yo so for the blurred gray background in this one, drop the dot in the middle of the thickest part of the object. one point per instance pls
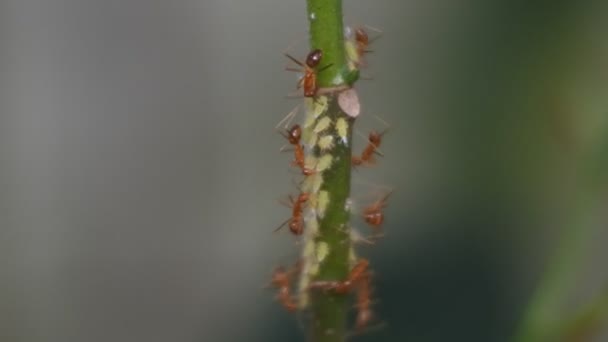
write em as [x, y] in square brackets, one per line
[140, 169]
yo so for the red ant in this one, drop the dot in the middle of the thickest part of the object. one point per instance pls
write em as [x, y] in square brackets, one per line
[309, 81]
[364, 313]
[374, 140]
[373, 214]
[367, 156]
[356, 274]
[280, 280]
[296, 221]
[293, 135]
[359, 276]
[362, 41]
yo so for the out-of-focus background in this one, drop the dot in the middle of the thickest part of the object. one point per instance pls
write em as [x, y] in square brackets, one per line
[140, 169]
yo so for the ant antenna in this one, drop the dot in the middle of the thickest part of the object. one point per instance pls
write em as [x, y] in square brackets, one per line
[288, 118]
[386, 124]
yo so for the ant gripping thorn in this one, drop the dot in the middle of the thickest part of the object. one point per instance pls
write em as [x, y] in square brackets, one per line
[373, 214]
[281, 281]
[296, 221]
[309, 81]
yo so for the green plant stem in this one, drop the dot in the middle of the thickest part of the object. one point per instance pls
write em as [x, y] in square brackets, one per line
[327, 34]
[329, 311]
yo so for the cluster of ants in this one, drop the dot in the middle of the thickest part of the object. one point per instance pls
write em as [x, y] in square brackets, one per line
[359, 277]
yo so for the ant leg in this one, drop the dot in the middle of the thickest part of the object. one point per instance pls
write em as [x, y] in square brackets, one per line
[385, 198]
[386, 124]
[375, 29]
[356, 238]
[325, 67]
[286, 148]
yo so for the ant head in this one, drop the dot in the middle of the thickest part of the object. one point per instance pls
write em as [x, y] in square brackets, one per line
[374, 218]
[314, 58]
[294, 134]
[296, 227]
[361, 36]
[375, 138]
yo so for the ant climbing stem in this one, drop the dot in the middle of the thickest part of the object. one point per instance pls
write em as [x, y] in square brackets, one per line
[359, 41]
[309, 80]
[356, 274]
[296, 221]
[373, 214]
[362, 38]
[359, 280]
[299, 157]
[364, 312]
[281, 281]
[293, 136]
[374, 140]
